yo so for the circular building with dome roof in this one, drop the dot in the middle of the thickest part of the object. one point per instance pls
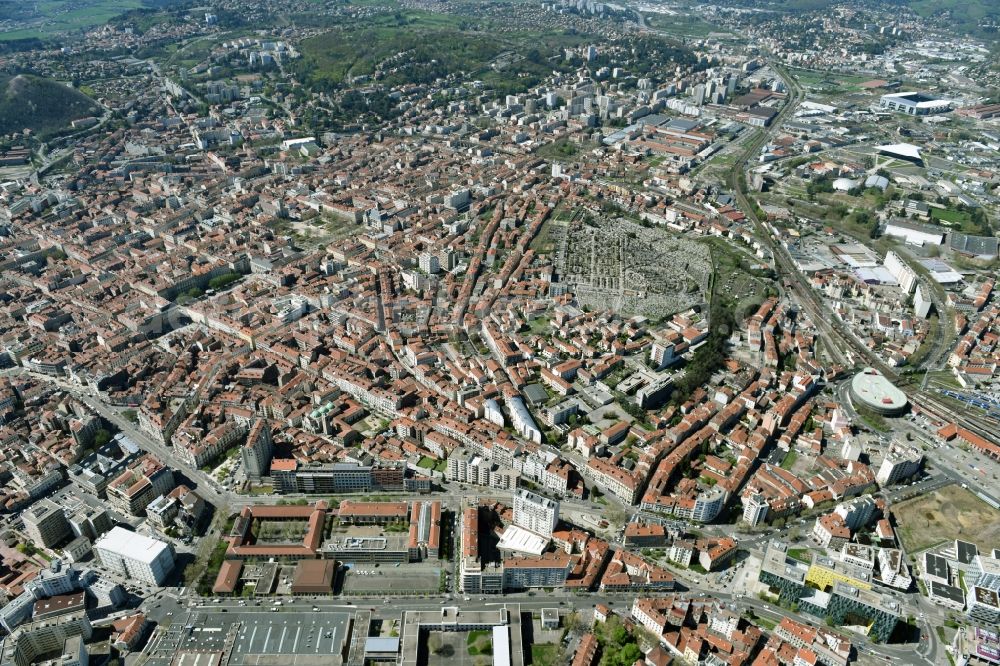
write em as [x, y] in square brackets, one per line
[870, 389]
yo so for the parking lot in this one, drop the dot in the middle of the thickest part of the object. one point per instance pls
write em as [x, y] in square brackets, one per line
[292, 637]
[413, 579]
[271, 636]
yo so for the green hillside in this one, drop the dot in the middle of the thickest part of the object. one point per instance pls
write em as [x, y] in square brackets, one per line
[968, 16]
[42, 105]
[965, 15]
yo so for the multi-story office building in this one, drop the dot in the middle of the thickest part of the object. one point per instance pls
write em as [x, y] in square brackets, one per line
[326, 478]
[787, 578]
[983, 596]
[535, 513]
[45, 523]
[136, 556]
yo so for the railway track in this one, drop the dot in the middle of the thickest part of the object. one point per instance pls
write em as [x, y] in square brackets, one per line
[843, 348]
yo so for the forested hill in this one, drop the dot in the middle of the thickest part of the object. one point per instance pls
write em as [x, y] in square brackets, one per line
[42, 105]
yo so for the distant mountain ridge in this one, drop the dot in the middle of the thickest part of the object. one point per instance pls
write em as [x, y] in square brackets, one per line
[41, 105]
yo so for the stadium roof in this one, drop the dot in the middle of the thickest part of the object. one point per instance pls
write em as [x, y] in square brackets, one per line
[917, 99]
[907, 150]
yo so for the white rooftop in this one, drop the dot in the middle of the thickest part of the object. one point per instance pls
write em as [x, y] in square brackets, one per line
[129, 544]
[522, 540]
[872, 387]
[904, 149]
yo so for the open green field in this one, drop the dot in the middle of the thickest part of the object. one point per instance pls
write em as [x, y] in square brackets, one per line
[800, 554]
[945, 515]
[539, 326]
[552, 231]
[430, 463]
[479, 642]
[546, 654]
[789, 460]
[735, 276]
[963, 15]
[560, 150]
[45, 106]
[681, 25]
[950, 216]
[45, 18]
[828, 82]
[419, 47]
[279, 532]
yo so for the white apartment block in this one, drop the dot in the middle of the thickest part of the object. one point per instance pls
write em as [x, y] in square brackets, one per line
[535, 513]
[135, 556]
[900, 463]
[905, 276]
[755, 509]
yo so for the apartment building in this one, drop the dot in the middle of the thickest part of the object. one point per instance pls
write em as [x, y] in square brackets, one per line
[900, 462]
[45, 523]
[135, 556]
[548, 570]
[30, 641]
[475, 576]
[615, 479]
[256, 453]
[535, 513]
[467, 467]
[136, 487]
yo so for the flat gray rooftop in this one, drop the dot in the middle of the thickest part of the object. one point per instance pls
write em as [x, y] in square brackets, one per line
[255, 637]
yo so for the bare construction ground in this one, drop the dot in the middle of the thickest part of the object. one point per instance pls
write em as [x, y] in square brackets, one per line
[945, 515]
[616, 264]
